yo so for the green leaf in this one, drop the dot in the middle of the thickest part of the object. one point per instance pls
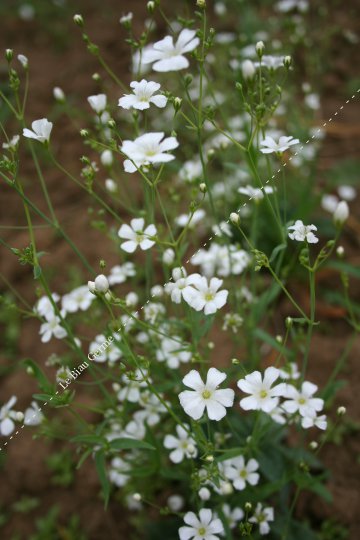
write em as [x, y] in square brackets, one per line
[37, 271]
[276, 251]
[89, 438]
[100, 464]
[129, 444]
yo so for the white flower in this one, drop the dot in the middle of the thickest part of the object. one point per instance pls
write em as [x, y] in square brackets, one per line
[175, 502]
[301, 400]
[44, 307]
[7, 417]
[41, 130]
[255, 194]
[329, 203]
[106, 158]
[261, 517]
[172, 351]
[221, 260]
[303, 232]
[143, 96]
[118, 472]
[153, 407]
[119, 274]
[290, 371]
[206, 295]
[271, 62]
[190, 220]
[169, 57]
[204, 527]
[132, 389]
[248, 69]
[100, 285]
[136, 236]
[341, 213]
[241, 473]
[125, 19]
[146, 149]
[263, 396]
[181, 282]
[168, 256]
[80, 298]
[206, 395]
[104, 349]
[12, 144]
[24, 61]
[52, 327]
[98, 102]
[233, 515]
[269, 145]
[314, 421]
[182, 446]
[152, 310]
[348, 193]
[58, 94]
[33, 415]
[287, 5]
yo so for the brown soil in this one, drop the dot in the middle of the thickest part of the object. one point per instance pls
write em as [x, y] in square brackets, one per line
[68, 65]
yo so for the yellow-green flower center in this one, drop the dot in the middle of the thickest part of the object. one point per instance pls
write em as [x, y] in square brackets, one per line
[202, 531]
[302, 401]
[209, 296]
[206, 394]
[263, 394]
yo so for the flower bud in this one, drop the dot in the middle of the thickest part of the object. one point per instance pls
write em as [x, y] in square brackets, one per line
[226, 488]
[248, 69]
[313, 445]
[23, 60]
[150, 6]
[248, 506]
[279, 339]
[106, 158]
[288, 322]
[131, 299]
[191, 449]
[235, 218]
[95, 77]
[177, 104]
[287, 61]
[202, 187]
[136, 497]
[30, 370]
[58, 94]
[9, 53]
[201, 4]
[209, 458]
[91, 286]
[101, 283]
[168, 256]
[78, 19]
[84, 132]
[19, 416]
[204, 494]
[341, 213]
[125, 20]
[259, 48]
[111, 123]
[340, 251]
[341, 411]
[235, 362]
[211, 345]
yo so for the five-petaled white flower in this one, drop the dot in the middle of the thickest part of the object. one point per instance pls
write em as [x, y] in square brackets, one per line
[98, 103]
[204, 527]
[181, 282]
[135, 235]
[240, 472]
[52, 327]
[143, 96]
[206, 395]
[261, 517]
[302, 400]
[170, 57]
[268, 145]
[255, 194]
[7, 417]
[302, 232]
[182, 446]
[41, 130]
[263, 396]
[206, 295]
[147, 149]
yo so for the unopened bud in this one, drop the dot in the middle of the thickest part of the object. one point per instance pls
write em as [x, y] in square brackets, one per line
[84, 132]
[150, 7]
[9, 53]
[288, 322]
[235, 362]
[177, 104]
[248, 69]
[111, 123]
[78, 19]
[313, 445]
[204, 494]
[211, 345]
[136, 497]
[29, 370]
[95, 77]
[201, 4]
[340, 251]
[287, 61]
[235, 218]
[341, 411]
[259, 48]
[58, 94]
[209, 458]
[279, 339]
[202, 187]
[341, 213]
[248, 506]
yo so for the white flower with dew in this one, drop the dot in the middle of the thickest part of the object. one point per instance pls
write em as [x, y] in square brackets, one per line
[206, 395]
